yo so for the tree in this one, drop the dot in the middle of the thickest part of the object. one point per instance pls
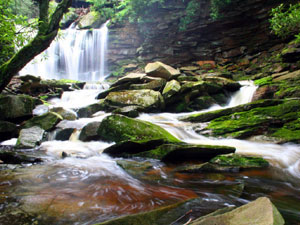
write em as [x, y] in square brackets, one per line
[47, 31]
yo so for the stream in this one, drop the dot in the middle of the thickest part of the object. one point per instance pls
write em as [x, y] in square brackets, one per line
[89, 187]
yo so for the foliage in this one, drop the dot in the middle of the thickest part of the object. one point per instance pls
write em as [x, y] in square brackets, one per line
[27, 8]
[191, 12]
[218, 5]
[285, 20]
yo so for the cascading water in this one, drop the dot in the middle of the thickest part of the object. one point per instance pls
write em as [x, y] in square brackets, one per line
[88, 187]
[77, 55]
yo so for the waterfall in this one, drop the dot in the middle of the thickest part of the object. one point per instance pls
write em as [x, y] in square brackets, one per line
[76, 55]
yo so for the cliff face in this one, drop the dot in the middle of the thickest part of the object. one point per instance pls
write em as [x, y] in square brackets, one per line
[243, 30]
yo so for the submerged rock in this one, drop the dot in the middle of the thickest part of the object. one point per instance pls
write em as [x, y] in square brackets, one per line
[259, 212]
[159, 69]
[119, 128]
[30, 137]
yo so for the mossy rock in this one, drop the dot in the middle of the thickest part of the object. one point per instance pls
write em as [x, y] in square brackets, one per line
[66, 114]
[208, 116]
[88, 111]
[243, 162]
[274, 121]
[119, 128]
[155, 85]
[30, 137]
[182, 152]
[16, 107]
[8, 130]
[46, 121]
[89, 132]
[171, 88]
[148, 99]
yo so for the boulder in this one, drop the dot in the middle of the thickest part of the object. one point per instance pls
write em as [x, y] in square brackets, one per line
[88, 111]
[46, 121]
[171, 88]
[60, 134]
[159, 69]
[130, 111]
[225, 83]
[157, 85]
[148, 99]
[66, 114]
[16, 107]
[7, 130]
[14, 157]
[259, 212]
[182, 152]
[120, 128]
[131, 78]
[89, 132]
[91, 20]
[30, 137]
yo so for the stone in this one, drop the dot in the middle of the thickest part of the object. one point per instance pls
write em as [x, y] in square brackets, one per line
[189, 68]
[16, 107]
[15, 157]
[66, 114]
[120, 128]
[159, 69]
[63, 134]
[259, 212]
[7, 130]
[172, 87]
[30, 137]
[130, 111]
[155, 85]
[129, 78]
[89, 132]
[90, 20]
[88, 111]
[148, 99]
[183, 152]
[227, 84]
[292, 75]
[46, 121]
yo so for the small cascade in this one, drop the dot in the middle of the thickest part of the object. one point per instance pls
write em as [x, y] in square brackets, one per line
[77, 55]
[244, 95]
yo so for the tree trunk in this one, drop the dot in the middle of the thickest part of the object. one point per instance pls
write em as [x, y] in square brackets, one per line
[46, 34]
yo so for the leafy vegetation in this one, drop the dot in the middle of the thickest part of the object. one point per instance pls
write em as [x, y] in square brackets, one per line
[285, 20]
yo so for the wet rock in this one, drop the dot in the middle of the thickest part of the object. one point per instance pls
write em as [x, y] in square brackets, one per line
[130, 111]
[62, 134]
[16, 107]
[208, 116]
[259, 212]
[66, 114]
[226, 163]
[148, 99]
[8, 130]
[89, 132]
[146, 218]
[159, 69]
[171, 88]
[292, 75]
[290, 55]
[88, 111]
[182, 152]
[279, 121]
[202, 102]
[46, 121]
[131, 78]
[30, 137]
[14, 157]
[119, 128]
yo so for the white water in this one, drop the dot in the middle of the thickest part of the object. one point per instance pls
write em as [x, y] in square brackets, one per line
[77, 55]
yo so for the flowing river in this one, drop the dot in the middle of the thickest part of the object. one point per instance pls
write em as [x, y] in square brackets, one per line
[89, 187]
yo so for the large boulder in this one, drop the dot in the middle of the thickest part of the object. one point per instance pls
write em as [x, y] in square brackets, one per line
[30, 137]
[131, 78]
[159, 69]
[16, 107]
[89, 132]
[259, 212]
[120, 128]
[66, 114]
[148, 99]
[46, 121]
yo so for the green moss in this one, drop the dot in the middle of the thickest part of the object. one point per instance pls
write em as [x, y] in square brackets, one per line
[121, 128]
[46, 121]
[263, 81]
[240, 161]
